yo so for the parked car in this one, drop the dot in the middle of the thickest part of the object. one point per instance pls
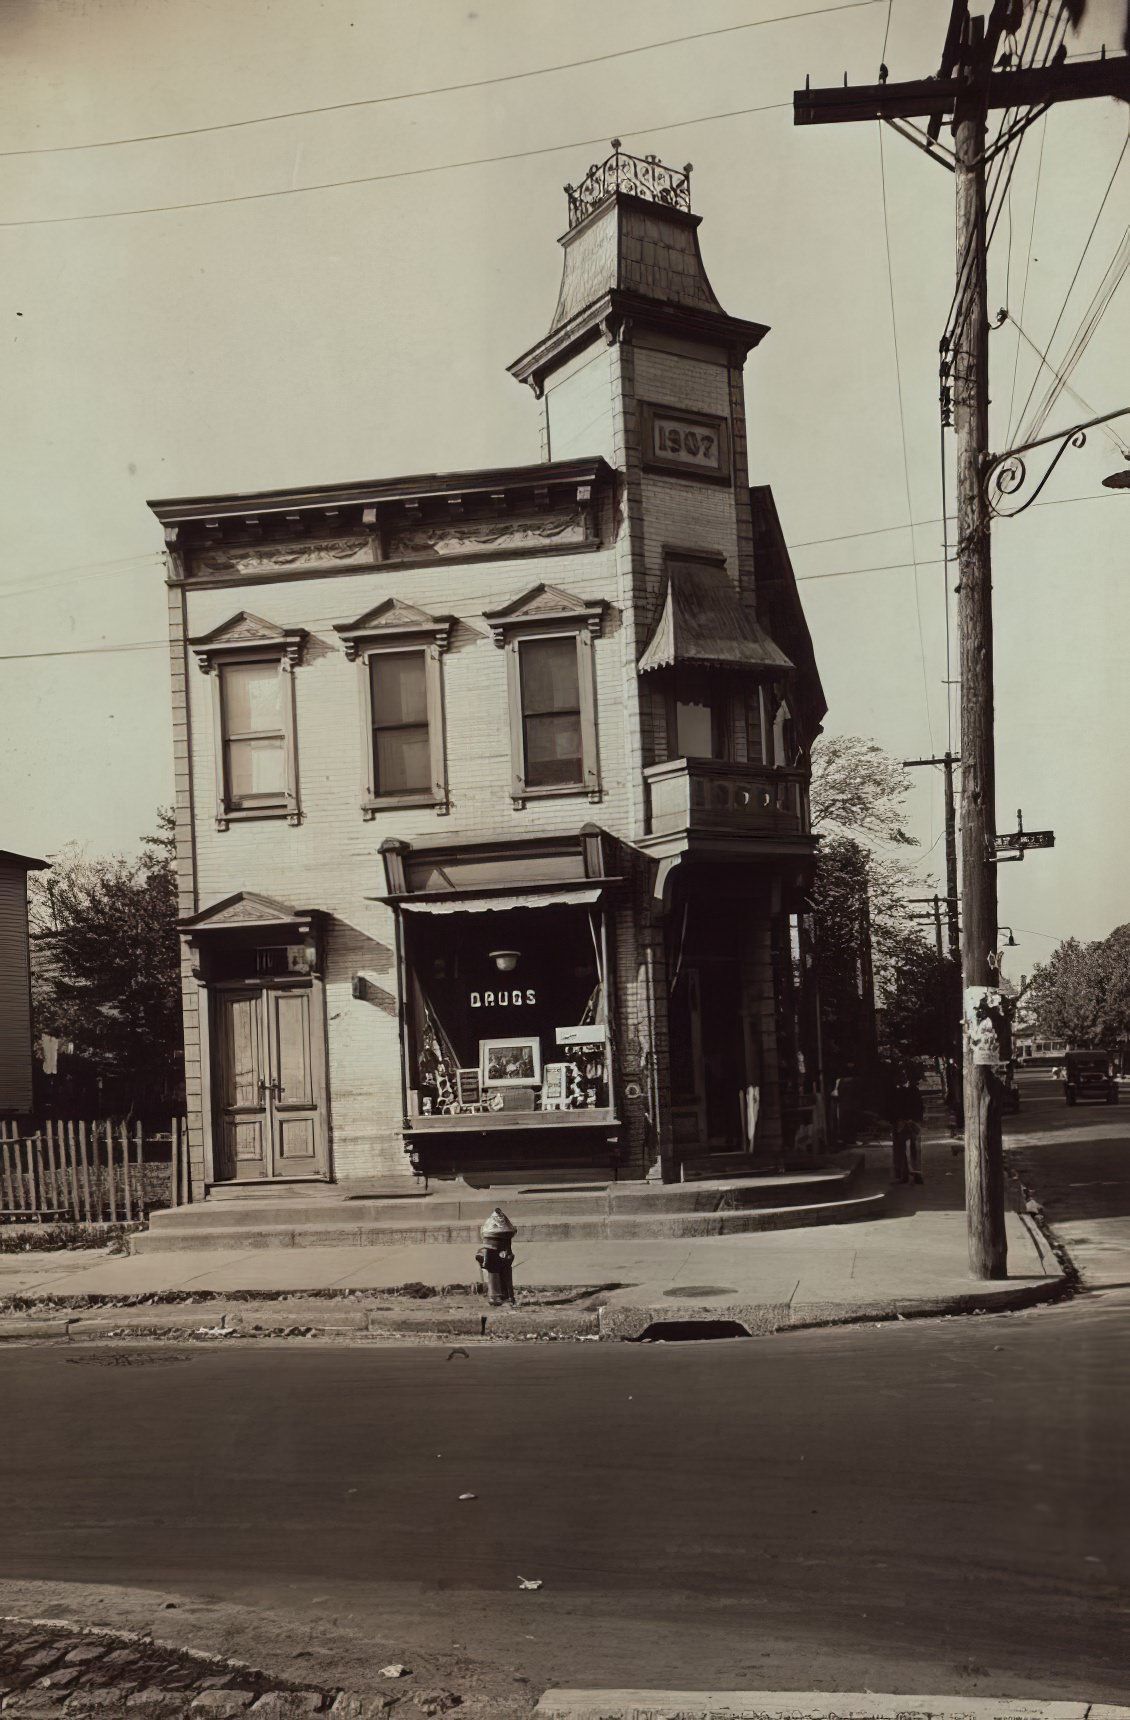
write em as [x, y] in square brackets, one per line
[1089, 1075]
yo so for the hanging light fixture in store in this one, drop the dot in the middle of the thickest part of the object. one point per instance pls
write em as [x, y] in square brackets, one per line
[505, 960]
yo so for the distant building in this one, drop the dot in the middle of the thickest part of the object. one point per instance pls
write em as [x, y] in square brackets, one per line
[15, 984]
[492, 786]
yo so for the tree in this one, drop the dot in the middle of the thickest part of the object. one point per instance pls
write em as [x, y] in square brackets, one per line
[106, 969]
[864, 933]
[1081, 995]
[858, 788]
[921, 1002]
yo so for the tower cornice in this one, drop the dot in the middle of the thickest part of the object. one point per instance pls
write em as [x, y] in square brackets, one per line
[618, 314]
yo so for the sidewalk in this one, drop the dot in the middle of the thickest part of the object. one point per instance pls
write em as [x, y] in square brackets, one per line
[910, 1263]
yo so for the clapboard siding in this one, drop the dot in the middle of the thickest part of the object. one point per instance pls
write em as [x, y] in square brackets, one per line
[15, 1006]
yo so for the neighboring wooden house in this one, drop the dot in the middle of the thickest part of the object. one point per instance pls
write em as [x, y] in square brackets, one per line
[15, 983]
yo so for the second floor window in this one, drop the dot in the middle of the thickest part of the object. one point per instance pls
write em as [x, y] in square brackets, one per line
[551, 712]
[254, 736]
[698, 715]
[398, 650]
[402, 753]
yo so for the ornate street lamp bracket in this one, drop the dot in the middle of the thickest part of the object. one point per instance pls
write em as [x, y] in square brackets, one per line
[1006, 475]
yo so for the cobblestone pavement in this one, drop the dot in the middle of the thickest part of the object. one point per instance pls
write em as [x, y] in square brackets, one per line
[50, 1671]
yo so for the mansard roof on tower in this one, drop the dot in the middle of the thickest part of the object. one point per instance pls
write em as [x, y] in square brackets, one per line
[632, 255]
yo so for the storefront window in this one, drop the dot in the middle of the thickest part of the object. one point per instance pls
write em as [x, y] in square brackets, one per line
[507, 1012]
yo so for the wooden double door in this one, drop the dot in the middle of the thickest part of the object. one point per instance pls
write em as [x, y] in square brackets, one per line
[268, 1051]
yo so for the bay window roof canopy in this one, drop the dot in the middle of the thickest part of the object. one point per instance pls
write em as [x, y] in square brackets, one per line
[705, 625]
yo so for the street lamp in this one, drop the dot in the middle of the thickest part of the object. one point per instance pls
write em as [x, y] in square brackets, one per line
[1011, 943]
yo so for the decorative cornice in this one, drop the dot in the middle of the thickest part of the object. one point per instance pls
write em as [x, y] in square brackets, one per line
[544, 606]
[397, 621]
[283, 511]
[245, 634]
[617, 316]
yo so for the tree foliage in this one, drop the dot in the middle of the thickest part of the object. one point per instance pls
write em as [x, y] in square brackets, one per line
[1081, 995]
[868, 947]
[106, 968]
[921, 1002]
[858, 789]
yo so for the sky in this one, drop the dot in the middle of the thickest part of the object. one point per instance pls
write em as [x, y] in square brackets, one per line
[363, 330]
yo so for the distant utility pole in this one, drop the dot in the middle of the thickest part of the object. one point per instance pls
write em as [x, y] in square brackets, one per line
[934, 902]
[947, 761]
[968, 86]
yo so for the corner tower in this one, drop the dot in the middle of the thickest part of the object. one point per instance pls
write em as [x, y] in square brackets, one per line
[642, 365]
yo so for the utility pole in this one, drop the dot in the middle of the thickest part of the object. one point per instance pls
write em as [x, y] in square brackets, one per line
[968, 86]
[947, 761]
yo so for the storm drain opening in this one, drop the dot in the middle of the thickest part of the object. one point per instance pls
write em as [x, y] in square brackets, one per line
[691, 1331]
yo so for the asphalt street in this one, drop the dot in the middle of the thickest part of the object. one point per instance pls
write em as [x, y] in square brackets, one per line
[924, 1506]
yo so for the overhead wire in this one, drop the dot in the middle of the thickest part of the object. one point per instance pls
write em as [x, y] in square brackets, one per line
[379, 178]
[1065, 386]
[1075, 276]
[1027, 267]
[446, 89]
[902, 430]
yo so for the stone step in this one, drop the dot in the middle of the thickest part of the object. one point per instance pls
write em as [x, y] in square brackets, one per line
[596, 1227]
[345, 1212]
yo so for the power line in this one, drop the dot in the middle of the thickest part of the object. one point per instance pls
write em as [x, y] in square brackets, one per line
[886, 32]
[85, 566]
[120, 564]
[447, 89]
[882, 567]
[902, 430]
[1107, 429]
[78, 576]
[85, 650]
[1078, 267]
[378, 178]
[1027, 266]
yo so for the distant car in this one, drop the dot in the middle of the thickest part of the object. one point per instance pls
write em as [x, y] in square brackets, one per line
[1089, 1075]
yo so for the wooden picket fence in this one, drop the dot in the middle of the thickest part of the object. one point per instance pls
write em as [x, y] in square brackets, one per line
[100, 1172]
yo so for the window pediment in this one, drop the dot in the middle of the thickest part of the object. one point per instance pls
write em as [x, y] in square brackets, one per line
[394, 622]
[245, 908]
[246, 633]
[544, 606]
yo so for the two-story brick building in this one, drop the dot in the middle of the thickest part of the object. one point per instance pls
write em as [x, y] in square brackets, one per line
[492, 785]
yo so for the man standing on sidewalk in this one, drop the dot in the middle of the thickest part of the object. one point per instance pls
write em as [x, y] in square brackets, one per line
[905, 1115]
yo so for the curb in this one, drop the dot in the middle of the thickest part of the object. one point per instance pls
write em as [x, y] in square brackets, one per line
[803, 1705]
[607, 1322]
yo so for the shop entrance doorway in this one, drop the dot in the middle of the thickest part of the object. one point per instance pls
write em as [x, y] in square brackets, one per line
[708, 1057]
[270, 1115]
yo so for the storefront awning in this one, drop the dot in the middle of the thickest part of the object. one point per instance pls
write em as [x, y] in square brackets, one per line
[705, 625]
[502, 904]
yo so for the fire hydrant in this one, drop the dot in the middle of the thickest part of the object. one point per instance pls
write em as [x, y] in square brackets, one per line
[496, 1257]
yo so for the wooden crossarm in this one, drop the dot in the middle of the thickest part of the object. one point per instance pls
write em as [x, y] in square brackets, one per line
[923, 97]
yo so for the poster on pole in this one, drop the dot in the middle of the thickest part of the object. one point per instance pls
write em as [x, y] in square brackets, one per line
[986, 1024]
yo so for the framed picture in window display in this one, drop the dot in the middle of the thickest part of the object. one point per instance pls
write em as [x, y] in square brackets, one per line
[510, 1062]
